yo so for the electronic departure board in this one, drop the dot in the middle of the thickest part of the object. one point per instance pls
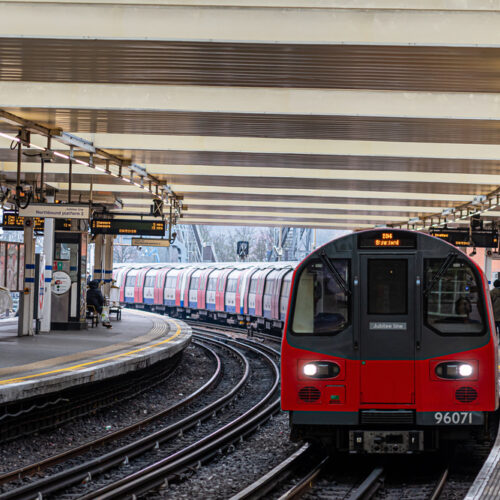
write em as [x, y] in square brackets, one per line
[457, 237]
[484, 239]
[13, 222]
[386, 239]
[128, 226]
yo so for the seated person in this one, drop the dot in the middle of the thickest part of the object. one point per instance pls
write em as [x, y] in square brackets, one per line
[95, 298]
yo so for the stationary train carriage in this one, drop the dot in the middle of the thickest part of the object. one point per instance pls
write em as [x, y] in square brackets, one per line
[253, 294]
[389, 345]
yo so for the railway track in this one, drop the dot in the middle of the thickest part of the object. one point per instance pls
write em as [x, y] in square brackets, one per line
[155, 473]
[303, 467]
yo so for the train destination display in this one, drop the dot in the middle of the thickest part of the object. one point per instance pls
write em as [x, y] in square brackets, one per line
[128, 226]
[387, 239]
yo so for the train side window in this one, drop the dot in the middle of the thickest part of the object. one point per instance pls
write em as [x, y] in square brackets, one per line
[453, 304]
[321, 305]
[149, 282]
[212, 283]
[253, 285]
[194, 283]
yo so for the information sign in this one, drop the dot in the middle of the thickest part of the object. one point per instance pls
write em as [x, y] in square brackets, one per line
[127, 226]
[150, 242]
[13, 222]
[55, 210]
[485, 239]
[61, 282]
[457, 237]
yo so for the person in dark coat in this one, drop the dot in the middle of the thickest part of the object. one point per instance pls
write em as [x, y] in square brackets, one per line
[495, 301]
[96, 298]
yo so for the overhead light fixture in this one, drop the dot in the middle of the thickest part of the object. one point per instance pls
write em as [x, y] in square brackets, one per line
[77, 142]
[448, 211]
[479, 199]
[414, 220]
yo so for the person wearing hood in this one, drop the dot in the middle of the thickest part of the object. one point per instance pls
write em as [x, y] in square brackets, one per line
[96, 298]
[495, 301]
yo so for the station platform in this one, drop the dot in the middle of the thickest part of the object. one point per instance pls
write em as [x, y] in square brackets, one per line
[38, 365]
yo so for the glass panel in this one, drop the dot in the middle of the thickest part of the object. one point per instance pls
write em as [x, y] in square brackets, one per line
[269, 286]
[321, 306]
[253, 285]
[452, 305]
[130, 281]
[231, 285]
[12, 266]
[194, 283]
[387, 286]
[149, 282]
[212, 283]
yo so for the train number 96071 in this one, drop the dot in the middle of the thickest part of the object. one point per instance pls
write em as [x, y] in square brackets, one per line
[453, 417]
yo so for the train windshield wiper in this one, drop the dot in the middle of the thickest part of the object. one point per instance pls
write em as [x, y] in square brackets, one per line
[333, 271]
[440, 272]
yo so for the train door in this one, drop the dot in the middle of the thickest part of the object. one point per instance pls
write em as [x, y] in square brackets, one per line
[387, 329]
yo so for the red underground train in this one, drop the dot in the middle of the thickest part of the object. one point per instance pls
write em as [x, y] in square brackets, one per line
[389, 345]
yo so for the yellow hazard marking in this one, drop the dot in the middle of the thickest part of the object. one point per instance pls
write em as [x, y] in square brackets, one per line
[89, 363]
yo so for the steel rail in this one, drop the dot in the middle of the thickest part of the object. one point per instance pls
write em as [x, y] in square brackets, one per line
[230, 329]
[156, 474]
[85, 471]
[268, 481]
[369, 486]
[440, 485]
[306, 481]
[79, 450]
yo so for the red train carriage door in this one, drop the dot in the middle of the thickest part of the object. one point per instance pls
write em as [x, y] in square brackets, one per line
[387, 329]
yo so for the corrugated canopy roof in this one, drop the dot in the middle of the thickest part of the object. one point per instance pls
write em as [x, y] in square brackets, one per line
[285, 112]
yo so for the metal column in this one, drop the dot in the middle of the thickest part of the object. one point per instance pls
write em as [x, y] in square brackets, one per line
[108, 263]
[98, 257]
[48, 250]
[487, 265]
[26, 299]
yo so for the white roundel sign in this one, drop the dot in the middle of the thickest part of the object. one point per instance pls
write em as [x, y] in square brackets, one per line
[61, 282]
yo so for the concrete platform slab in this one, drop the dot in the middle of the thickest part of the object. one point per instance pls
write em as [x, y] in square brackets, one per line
[46, 363]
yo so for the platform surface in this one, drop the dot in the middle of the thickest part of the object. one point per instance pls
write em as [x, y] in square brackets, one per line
[49, 362]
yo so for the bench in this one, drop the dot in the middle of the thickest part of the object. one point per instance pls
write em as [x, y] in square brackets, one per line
[115, 310]
[92, 315]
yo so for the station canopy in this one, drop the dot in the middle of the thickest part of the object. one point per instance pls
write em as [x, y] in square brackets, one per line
[317, 113]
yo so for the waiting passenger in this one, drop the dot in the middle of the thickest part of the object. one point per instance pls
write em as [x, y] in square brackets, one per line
[95, 298]
[495, 301]
[463, 307]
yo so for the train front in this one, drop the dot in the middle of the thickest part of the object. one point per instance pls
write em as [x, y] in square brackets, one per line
[389, 345]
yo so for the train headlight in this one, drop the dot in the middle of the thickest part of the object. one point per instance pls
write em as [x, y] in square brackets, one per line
[454, 370]
[310, 369]
[465, 370]
[321, 369]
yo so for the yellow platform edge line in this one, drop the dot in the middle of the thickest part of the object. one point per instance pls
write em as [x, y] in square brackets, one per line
[89, 363]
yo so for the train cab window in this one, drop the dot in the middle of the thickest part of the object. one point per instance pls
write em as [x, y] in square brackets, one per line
[452, 302]
[387, 286]
[130, 281]
[321, 304]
